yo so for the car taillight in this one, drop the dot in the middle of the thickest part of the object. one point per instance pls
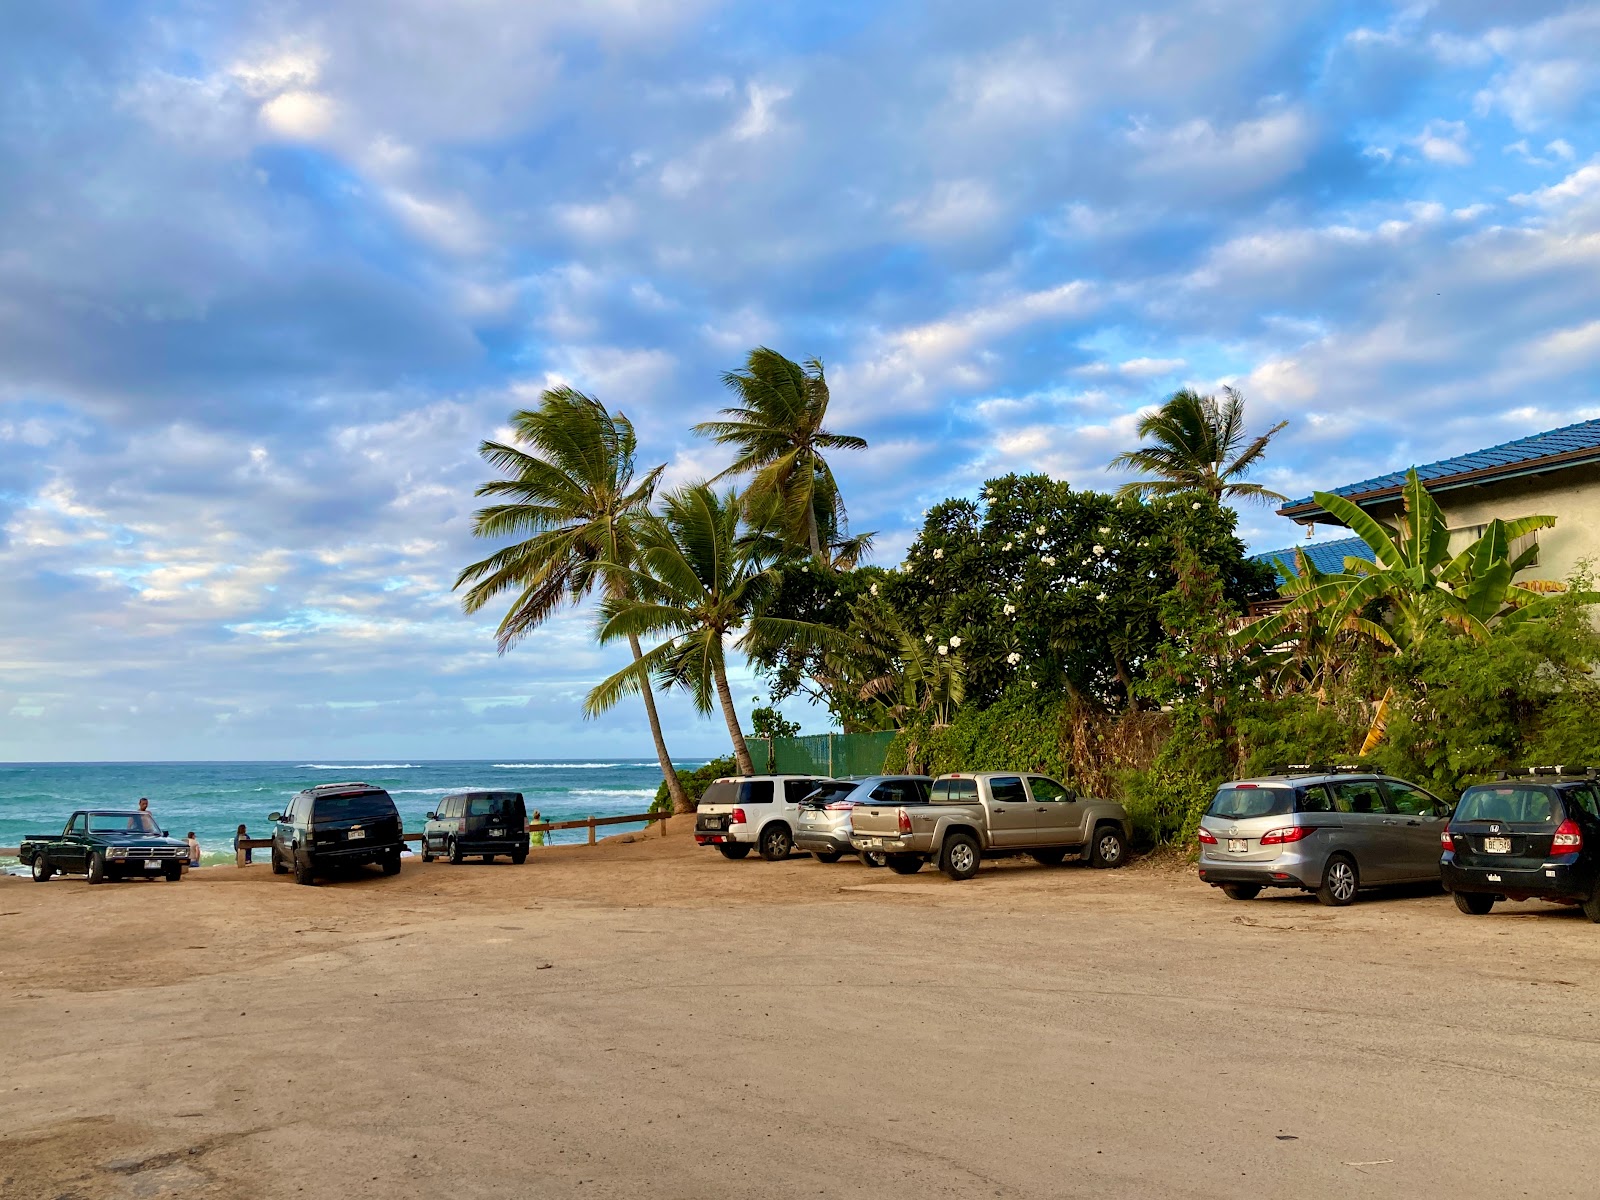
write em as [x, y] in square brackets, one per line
[1568, 839]
[1207, 836]
[839, 806]
[1447, 840]
[905, 820]
[738, 817]
[1294, 833]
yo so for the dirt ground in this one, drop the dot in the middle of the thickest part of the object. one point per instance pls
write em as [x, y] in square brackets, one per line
[644, 1018]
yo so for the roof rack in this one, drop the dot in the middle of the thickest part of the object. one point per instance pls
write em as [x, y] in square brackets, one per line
[1560, 770]
[1320, 768]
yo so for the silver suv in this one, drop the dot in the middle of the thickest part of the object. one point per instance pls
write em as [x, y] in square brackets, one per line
[1328, 832]
[824, 827]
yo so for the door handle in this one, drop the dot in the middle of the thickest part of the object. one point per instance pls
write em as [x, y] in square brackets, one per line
[1041, 809]
[1413, 822]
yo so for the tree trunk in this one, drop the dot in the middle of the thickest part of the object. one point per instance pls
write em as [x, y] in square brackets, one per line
[741, 752]
[680, 799]
[811, 516]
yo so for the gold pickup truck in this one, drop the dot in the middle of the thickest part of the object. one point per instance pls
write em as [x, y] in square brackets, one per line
[991, 815]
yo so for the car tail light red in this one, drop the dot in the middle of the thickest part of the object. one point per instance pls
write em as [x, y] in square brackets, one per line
[840, 806]
[1568, 839]
[1207, 836]
[1447, 840]
[738, 817]
[1294, 833]
[904, 819]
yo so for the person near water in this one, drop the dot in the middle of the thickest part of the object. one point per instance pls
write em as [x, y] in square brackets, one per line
[536, 836]
[194, 850]
[241, 836]
[144, 804]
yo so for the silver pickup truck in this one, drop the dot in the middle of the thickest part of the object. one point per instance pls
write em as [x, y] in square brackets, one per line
[995, 814]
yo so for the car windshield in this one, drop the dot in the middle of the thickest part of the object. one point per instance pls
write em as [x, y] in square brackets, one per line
[1509, 803]
[829, 792]
[364, 806]
[1239, 801]
[498, 804]
[122, 822]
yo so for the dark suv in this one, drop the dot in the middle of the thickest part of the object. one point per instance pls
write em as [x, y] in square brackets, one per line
[1532, 834]
[482, 823]
[336, 825]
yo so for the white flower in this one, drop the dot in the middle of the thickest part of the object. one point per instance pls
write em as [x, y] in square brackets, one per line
[944, 649]
[1036, 685]
[1040, 529]
[1010, 608]
[1104, 529]
[1195, 505]
[1013, 658]
[1099, 550]
[1101, 596]
[956, 642]
[929, 639]
[1048, 561]
[873, 589]
[1007, 546]
[938, 553]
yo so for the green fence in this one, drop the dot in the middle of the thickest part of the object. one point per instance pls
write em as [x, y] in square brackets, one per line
[838, 755]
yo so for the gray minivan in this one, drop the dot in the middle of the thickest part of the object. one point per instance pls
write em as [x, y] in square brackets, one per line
[1330, 833]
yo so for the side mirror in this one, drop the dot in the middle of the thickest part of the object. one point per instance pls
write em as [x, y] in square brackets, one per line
[431, 817]
[165, 833]
[274, 816]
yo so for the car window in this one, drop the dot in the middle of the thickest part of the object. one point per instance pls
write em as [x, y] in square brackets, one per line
[1412, 801]
[900, 791]
[1046, 791]
[1314, 799]
[362, 806]
[1507, 802]
[1584, 797]
[796, 790]
[495, 804]
[954, 791]
[76, 824]
[1358, 796]
[1007, 789]
[1241, 801]
[828, 793]
[920, 787]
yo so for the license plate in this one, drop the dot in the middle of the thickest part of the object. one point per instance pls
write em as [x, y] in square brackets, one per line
[152, 864]
[497, 833]
[357, 833]
[872, 843]
[1238, 845]
[1497, 845]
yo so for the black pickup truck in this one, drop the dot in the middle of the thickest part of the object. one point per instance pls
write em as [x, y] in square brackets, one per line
[106, 845]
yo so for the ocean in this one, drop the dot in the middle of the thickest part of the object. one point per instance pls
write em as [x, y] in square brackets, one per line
[215, 798]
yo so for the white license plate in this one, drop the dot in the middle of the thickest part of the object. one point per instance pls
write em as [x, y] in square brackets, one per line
[152, 864]
[1497, 845]
[1238, 846]
[357, 833]
[872, 843]
[497, 833]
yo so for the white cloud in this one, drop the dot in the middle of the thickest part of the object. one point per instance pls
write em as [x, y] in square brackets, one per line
[1444, 142]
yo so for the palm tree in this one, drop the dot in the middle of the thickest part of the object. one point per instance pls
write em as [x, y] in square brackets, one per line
[568, 493]
[777, 425]
[697, 583]
[1197, 449]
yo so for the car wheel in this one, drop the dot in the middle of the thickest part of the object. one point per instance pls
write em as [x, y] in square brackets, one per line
[1048, 858]
[734, 850]
[520, 857]
[172, 872]
[1341, 880]
[427, 855]
[874, 858]
[827, 856]
[303, 874]
[1475, 904]
[904, 864]
[1241, 891]
[1591, 908]
[960, 857]
[95, 871]
[453, 852]
[277, 863]
[775, 842]
[41, 869]
[1109, 849]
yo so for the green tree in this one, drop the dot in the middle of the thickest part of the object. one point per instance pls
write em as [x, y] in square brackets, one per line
[777, 425]
[1198, 445]
[699, 581]
[567, 492]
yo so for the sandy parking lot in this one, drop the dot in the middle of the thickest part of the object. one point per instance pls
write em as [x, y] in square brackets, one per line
[646, 1019]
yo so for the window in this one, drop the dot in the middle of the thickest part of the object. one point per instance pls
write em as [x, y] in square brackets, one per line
[920, 787]
[1008, 790]
[1359, 796]
[495, 804]
[1508, 803]
[362, 806]
[1047, 791]
[828, 793]
[900, 791]
[1412, 801]
[76, 825]
[796, 790]
[954, 791]
[1241, 801]
[1315, 799]
[1584, 797]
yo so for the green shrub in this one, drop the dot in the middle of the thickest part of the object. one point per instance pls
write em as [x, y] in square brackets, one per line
[694, 783]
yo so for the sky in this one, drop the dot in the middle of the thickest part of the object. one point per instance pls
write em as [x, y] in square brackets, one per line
[269, 273]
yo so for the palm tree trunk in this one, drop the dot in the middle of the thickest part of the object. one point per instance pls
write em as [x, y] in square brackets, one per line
[680, 799]
[811, 515]
[741, 752]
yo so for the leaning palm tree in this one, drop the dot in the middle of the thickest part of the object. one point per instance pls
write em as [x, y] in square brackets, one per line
[777, 426]
[569, 495]
[1196, 447]
[697, 583]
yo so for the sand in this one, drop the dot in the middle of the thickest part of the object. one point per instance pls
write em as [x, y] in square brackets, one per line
[643, 1018]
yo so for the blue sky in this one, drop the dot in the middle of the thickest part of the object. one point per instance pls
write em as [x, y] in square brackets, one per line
[269, 272]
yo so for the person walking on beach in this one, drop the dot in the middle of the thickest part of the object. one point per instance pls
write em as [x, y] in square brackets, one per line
[536, 836]
[194, 850]
[242, 836]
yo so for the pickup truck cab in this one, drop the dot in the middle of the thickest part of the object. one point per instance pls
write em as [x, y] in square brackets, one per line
[739, 813]
[992, 815]
[102, 844]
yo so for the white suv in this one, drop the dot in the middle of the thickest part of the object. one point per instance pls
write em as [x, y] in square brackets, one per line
[755, 810]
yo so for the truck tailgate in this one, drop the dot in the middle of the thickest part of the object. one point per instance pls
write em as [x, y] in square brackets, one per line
[875, 820]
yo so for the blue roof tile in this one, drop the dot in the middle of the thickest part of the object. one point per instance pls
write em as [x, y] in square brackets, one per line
[1324, 556]
[1570, 439]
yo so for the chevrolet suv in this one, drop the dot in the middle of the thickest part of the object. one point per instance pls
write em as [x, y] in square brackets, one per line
[336, 825]
[1328, 832]
[1533, 834]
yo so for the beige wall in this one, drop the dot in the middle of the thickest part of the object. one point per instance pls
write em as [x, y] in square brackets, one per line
[1572, 496]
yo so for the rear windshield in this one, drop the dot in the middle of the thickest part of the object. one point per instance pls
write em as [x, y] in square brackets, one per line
[829, 792]
[1510, 803]
[955, 791]
[364, 806]
[1240, 801]
[497, 804]
[744, 791]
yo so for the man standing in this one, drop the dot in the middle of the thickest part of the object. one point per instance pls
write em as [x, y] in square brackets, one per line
[144, 804]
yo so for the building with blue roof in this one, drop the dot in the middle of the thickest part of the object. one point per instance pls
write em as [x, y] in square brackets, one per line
[1555, 473]
[1327, 557]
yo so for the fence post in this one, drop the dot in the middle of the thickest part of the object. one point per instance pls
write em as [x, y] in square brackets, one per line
[830, 756]
[238, 856]
[591, 829]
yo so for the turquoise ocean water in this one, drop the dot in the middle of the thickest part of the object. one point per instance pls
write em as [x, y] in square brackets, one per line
[215, 798]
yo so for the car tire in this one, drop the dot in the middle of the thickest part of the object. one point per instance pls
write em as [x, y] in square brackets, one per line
[303, 873]
[776, 842]
[904, 864]
[1048, 858]
[960, 857]
[1241, 891]
[1341, 880]
[520, 857]
[828, 856]
[733, 850]
[277, 863]
[95, 869]
[1476, 904]
[1110, 848]
[873, 858]
[41, 869]
[453, 851]
[172, 873]
[1591, 908]
[427, 855]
